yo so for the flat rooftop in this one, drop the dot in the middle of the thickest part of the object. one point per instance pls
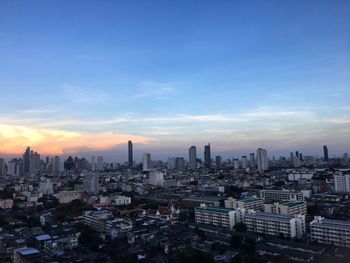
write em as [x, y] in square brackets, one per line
[216, 209]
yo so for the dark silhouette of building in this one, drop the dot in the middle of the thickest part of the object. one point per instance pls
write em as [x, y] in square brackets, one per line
[69, 163]
[130, 154]
[325, 153]
[207, 157]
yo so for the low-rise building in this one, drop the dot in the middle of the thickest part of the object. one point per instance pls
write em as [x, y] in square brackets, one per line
[245, 203]
[331, 232]
[65, 197]
[122, 200]
[214, 215]
[270, 196]
[286, 208]
[275, 225]
[6, 203]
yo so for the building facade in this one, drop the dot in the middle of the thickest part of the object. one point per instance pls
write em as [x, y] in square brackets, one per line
[215, 215]
[330, 232]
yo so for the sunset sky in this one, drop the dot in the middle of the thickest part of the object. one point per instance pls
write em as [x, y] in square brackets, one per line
[84, 77]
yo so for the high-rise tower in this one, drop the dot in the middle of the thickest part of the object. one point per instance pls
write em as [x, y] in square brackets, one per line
[130, 154]
[261, 157]
[192, 157]
[325, 153]
[207, 157]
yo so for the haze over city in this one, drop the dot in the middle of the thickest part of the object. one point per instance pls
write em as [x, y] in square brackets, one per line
[81, 77]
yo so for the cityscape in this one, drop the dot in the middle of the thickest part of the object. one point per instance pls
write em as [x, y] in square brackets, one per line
[174, 131]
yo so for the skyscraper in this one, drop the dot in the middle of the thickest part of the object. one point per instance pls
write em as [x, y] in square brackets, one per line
[252, 159]
[207, 157]
[192, 157]
[26, 160]
[325, 153]
[147, 162]
[130, 154]
[261, 157]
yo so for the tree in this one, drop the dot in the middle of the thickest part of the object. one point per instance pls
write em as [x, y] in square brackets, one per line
[241, 227]
[236, 242]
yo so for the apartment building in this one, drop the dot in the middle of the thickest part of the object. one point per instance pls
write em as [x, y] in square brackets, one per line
[289, 226]
[286, 208]
[330, 232]
[245, 203]
[271, 196]
[215, 215]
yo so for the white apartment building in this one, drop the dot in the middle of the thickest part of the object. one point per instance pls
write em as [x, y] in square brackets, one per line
[122, 200]
[330, 232]
[342, 183]
[275, 225]
[286, 208]
[270, 196]
[215, 215]
[245, 203]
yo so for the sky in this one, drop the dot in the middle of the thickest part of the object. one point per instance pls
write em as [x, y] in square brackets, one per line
[84, 77]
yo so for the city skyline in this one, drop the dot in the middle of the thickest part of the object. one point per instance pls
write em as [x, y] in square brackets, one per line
[170, 75]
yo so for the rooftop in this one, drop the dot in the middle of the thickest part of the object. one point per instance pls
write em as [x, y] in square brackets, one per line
[269, 216]
[216, 209]
[292, 203]
[28, 251]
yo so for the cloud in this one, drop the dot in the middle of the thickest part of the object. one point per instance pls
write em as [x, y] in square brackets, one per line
[14, 138]
[77, 94]
[156, 90]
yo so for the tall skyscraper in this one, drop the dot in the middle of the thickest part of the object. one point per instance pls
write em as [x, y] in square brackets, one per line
[26, 160]
[252, 159]
[261, 157]
[218, 160]
[130, 154]
[207, 156]
[91, 183]
[244, 162]
[325, 153]
[192, 156]
[147, 162]
[99, 164]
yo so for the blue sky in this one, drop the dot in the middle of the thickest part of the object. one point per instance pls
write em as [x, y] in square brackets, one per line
[169, 74]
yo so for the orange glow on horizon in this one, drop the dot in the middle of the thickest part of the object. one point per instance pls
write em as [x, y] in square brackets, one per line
[14, 140]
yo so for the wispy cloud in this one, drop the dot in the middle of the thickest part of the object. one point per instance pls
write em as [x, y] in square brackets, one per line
[156, 90]
[77, 94]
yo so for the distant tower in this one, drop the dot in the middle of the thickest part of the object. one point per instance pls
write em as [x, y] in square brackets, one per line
[192, 153]
[26, 160]
[252, 159]
[218, 160]
[325, 153]
[207, 157]
[147, 162]
[130, 154]
[261, 157]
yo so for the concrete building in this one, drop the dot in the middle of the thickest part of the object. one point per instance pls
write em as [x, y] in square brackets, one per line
[207, 156]
[99, 163]
[122, 200]
[192, 157]
[244, 162]
[46, 187]
[214, 215]
[6, 203]
[2, 167]
[286, 208]
[252, 160]
[261, 158]
[325, 153]
[270, 196]
[330, 232]
[156, 178]
[147, 162]
[130, 154]
[276, 225]
[342, 183]
[91, 183]
[245, 203]
[65, 197]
